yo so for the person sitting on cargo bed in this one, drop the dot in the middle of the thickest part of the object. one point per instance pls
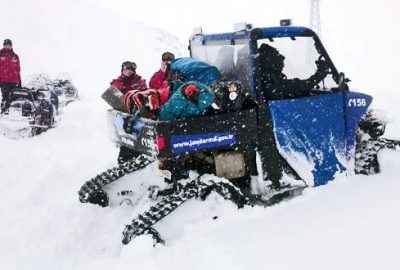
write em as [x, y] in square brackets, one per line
[274, 83]
[161, 76]
[129, 79]
[158, 93]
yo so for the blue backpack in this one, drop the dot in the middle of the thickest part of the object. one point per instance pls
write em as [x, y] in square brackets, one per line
[189, 69]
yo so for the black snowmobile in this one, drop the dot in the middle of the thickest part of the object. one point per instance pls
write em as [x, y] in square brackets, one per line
[37, 106]
[30, 112]
[65, 90]
[275, 101]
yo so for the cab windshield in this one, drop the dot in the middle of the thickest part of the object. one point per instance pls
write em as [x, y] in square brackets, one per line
[299, 54]
[233, 61]
[300, 59]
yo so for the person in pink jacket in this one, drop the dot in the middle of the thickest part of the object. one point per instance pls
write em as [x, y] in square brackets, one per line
[162, 75]
[10, 72]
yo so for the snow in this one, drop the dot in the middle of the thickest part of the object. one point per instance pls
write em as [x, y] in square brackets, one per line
[351, 223]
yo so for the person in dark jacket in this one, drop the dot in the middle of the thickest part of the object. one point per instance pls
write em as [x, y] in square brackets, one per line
[159, 78]
[275, 84]
[10, 72]
[129, 79]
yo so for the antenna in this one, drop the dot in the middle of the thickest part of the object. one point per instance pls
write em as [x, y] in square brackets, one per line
[315, 25]
[315, 19]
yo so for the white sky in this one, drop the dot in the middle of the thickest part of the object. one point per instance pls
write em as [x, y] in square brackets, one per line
[360, 35]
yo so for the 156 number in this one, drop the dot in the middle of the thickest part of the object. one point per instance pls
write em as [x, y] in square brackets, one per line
[357, 102]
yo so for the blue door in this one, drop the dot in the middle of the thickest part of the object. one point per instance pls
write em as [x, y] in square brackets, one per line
[316, 135]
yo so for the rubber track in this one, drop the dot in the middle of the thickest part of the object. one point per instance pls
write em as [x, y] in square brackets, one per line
[366, 163]
[366, 160]
[97, 183]
[144, 222]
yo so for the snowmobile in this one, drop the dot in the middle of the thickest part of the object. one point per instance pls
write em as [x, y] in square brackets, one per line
[284, 120]
[37, 106]
[66, 90]
[61, 86]
[30, 112]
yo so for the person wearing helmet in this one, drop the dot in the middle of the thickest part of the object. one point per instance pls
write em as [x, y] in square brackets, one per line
[129, 79]
[10, 72]
[159, 78]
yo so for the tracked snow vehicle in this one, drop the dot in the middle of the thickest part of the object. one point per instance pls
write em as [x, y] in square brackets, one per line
[301, 120]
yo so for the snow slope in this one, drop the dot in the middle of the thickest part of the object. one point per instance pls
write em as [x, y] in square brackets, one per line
[351, 223]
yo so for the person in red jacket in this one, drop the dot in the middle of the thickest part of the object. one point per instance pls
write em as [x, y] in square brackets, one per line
[162, 75]
[10, 72]
[129, 80]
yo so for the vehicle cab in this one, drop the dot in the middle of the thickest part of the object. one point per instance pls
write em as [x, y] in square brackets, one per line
[239, 55]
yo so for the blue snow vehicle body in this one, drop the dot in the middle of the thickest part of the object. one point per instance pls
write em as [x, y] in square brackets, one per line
[319, 127]
[303, 120]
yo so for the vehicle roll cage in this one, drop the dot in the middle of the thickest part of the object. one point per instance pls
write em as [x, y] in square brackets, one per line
[251, 37]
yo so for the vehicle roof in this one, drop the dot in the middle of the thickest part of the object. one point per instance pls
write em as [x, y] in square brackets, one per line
[267, 32]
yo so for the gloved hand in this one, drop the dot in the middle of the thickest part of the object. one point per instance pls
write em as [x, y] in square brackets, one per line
[138, 99]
